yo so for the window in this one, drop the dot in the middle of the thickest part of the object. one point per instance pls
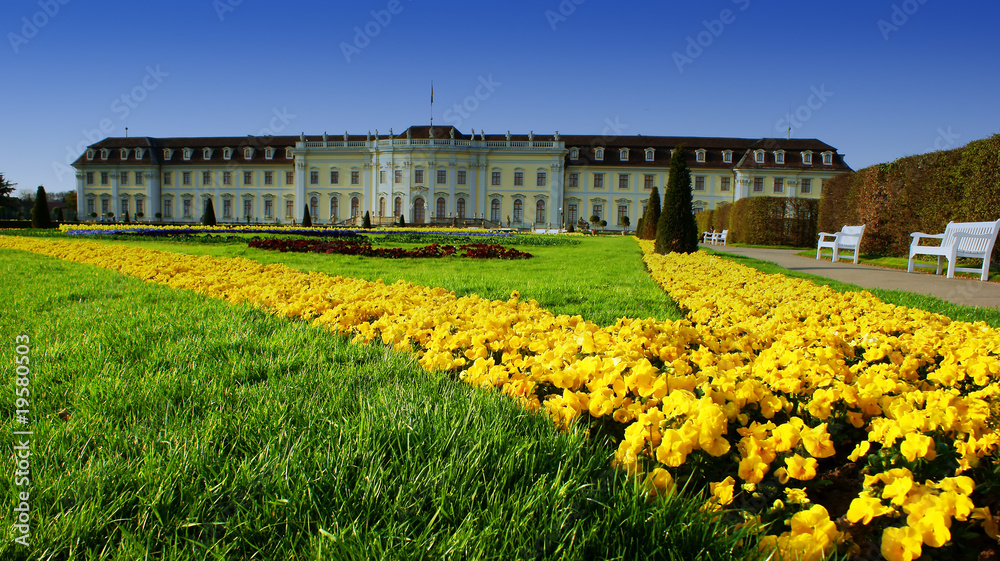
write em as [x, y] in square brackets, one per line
[495, 178]
[574, 180]
[779, 185]
[495, 210]
[90, 178]
[268, 209]
[227, 208]
[727, 156]
[699, 156]
[247, 153]
[187, 208]
[650, 152]
[540, 212]
[397, 176]
[314, 207]
[460, 206]
[572, 213]
[334, 177]
[334, 208]
[289, 177]
[806, 186]
[724, 184]
[518, 210]
[187, 153]
[598, 181]
[269, 153]
[440, 207]
[227, 178]
[105, 153]
[599, 154]
[140, 206]
[90, 154]
[518, 178]
[206, 178]
[186, 178]
[758, 156]
[827, 158]
[168, 208]
[124, 153]
[139, 179]
[574, 153]
[90, 206]
[268, 178]
[247, 209]
[460, 178]
[288, 153]
[314, 177]
[598, 210]
[647, 181]
[758, 185]
[397, 206]
[622, 213]
[290, 209]
[442, 177]
[124, 206]
[227, 153]
[699, 183]
[105, 206]
[540, 179]
[623, 154]
[381, 176]
[418, 210]
[138, 153]
[623, 181]
[779, 157]
[206, 153]
[248, 178]
[167, 178]
[807, 158]
[355, 207]
[123, 178]
[418, 176]
[167, 153]
[381, 206]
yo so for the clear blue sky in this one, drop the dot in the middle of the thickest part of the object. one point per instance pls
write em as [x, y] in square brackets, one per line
[877, 79]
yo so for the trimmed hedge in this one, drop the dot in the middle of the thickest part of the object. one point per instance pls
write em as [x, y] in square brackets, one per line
[916, 194]
[774, 221]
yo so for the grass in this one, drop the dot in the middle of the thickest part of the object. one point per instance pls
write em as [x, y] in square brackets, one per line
[202, 430]
[898, 297]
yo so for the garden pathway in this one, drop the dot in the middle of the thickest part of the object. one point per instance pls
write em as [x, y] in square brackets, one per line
[968, 292]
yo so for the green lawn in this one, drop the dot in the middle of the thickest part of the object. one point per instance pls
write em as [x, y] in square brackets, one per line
[197, 430]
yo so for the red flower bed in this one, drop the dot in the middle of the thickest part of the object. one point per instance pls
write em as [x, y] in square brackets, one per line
[364, 247]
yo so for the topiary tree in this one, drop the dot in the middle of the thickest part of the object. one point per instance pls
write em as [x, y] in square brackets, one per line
[208, 219]
[625, 222]
[126, 220]
[367, 221]
[677, 229]
[596, 221]
[647, 231]
[307, 220]
[402, 221]
[40, 217]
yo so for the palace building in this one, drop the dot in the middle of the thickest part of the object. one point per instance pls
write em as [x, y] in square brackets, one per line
[434, 175]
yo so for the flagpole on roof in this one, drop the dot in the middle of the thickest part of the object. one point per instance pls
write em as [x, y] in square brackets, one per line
[432, 103]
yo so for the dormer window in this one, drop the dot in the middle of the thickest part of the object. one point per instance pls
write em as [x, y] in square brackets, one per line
[807, 158]
[206, 153]
[269, 153]
[650, 153]
[699, 155]
[168, 153]
[105, 153]
[90, 154]
[574, 153]
[187, 153]
[247, 153]
[779, 156]
[124, 153]
[758, 156]
[138, 153]
[623, 154]
[727, 156]
[827, 158]
[288, 153]
[227, 153]
[599, 154]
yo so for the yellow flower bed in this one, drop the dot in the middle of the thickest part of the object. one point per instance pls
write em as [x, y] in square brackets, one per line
[771, 381]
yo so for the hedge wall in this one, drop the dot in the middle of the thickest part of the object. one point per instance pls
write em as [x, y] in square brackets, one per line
[774, 221]
[916, 194]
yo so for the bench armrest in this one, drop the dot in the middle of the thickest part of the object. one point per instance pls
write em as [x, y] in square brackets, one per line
[827, 234]
[917, 236]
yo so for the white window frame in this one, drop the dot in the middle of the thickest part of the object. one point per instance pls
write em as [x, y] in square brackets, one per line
[206, 153]
[699, 155]
[779, 156]
[828, 158]
[599, 154]
[247, 153]
[574, 153]
[650, 154]
[623, 154]
[269, 153]
[807, 158]
[727, 156]
[758, 156]
[187, 153]
[124, 153]
[227, 153]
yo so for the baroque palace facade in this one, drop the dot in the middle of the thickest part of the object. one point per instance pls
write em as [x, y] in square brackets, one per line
[434, 175]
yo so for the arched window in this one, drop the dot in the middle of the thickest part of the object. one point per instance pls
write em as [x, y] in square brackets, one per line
[355, 206]
[418, 210]
[381, 206]
[460, 204]
[440, 207]
[540, 212]
[397, 206]
[495, 210]
[334, 208]
[518, 210]
[314, 207]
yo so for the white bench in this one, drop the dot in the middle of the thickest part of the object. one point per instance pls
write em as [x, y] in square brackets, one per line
[715, 238]
[972, 240]
[706, 237]
[849, 238]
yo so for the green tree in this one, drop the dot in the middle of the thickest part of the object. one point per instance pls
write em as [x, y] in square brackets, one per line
[651, 217]
[402, 221]
[677, 229]
[6, 188]
[208, 219]
[625, 222]
[307, 220]
[40, 217]
[367, 223]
